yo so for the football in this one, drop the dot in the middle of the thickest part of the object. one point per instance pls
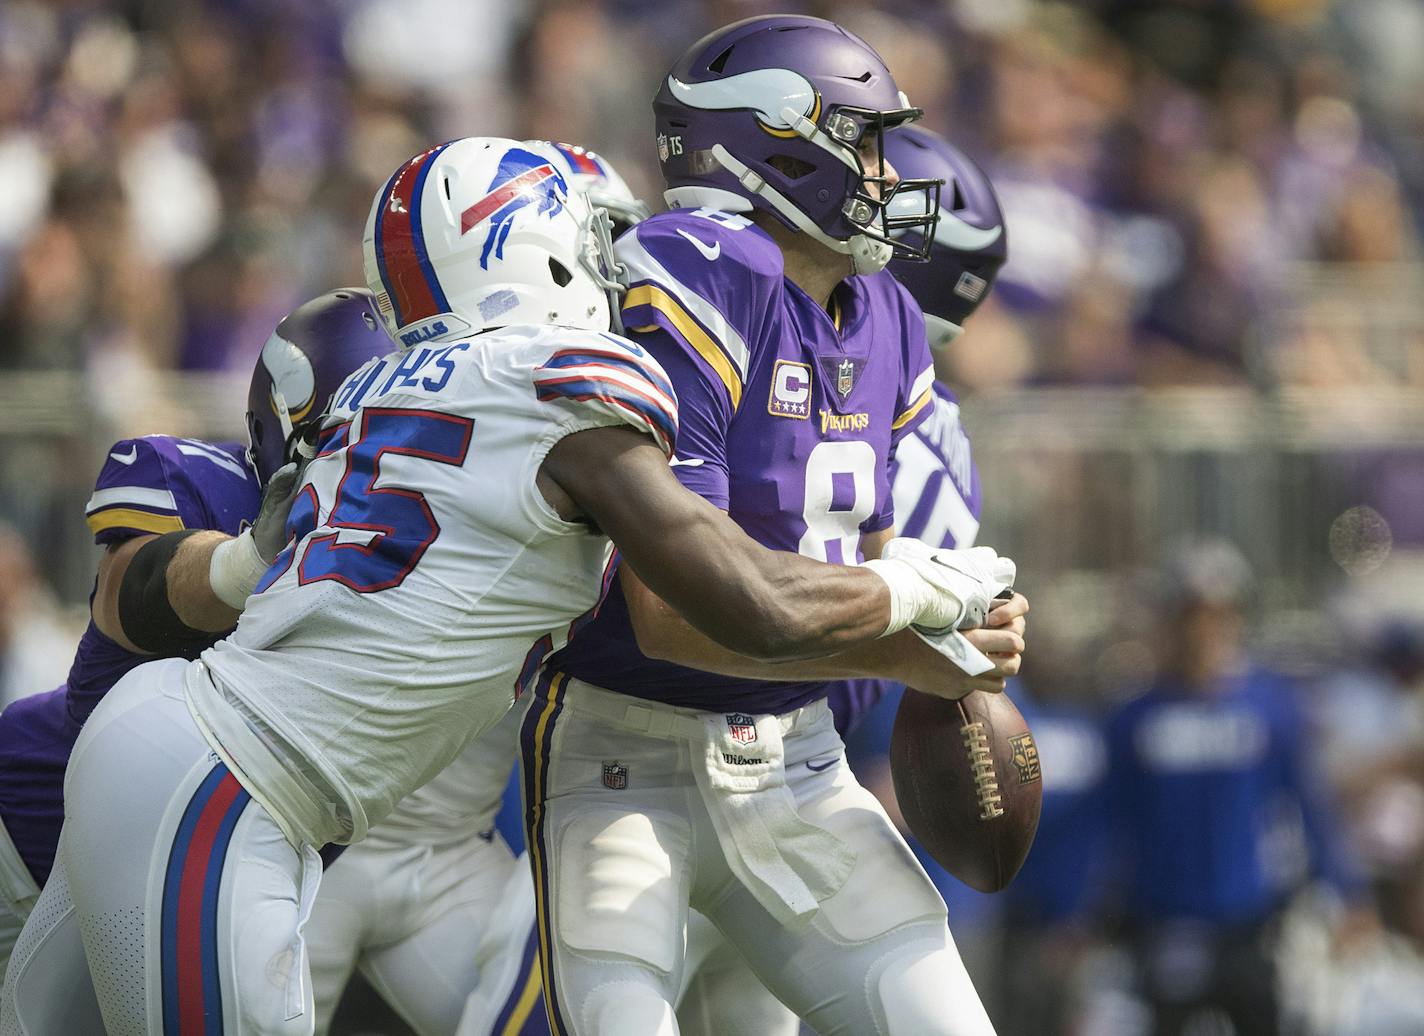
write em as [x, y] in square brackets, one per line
[969, 784]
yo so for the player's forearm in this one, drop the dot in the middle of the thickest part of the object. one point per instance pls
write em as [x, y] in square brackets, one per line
[664, 634]
[747, 604]
[190, 586]
[752, 601]
[779, 608]
[902, 657]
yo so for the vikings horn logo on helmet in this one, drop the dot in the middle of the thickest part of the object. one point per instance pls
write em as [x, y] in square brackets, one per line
[292, 376]
[766, 91]
[523, 177]
[950, 231]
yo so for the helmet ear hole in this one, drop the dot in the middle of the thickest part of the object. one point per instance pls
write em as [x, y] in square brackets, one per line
[791, 167]
[562, 274]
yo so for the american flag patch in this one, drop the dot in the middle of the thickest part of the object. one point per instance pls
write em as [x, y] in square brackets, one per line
[970, 287]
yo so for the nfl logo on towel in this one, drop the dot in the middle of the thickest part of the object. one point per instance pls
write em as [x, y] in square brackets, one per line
[615, 776]
[742, 727]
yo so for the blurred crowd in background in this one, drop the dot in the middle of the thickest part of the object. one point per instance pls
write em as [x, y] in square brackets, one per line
[178, 176]
[1203, 196]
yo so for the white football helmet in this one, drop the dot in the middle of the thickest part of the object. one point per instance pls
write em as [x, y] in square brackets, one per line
[593, 174]
[484, 232]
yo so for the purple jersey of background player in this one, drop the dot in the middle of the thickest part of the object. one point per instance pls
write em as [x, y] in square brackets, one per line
[937, 499]
[152, 485]
[788, 419]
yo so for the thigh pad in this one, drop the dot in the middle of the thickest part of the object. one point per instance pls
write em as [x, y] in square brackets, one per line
[620, 881]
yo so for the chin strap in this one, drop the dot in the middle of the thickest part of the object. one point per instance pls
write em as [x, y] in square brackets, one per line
[866, 254]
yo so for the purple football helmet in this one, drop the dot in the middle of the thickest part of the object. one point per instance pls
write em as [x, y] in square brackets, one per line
[770, 113]
[970, 241]
[304, 361]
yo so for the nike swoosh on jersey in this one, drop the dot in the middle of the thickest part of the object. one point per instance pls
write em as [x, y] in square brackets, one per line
[811, 765]
[132, 455]
[689, 462]
[709, 252]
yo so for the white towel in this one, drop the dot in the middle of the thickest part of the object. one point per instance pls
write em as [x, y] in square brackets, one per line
[790, 865]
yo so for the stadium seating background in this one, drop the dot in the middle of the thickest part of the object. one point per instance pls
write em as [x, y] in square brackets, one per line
[1212, 320]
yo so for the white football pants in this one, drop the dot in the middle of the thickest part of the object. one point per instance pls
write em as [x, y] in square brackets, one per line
[17, 895]
[626, 834]
[47, 986]
[425, 924]
[720, 995]
[189, 898]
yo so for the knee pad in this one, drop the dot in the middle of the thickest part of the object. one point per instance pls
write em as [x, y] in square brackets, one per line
[887, 888]
[626, 1006]
[924, 990]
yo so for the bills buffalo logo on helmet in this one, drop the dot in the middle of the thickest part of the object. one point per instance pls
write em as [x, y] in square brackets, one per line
[523, 178]
[741, 728]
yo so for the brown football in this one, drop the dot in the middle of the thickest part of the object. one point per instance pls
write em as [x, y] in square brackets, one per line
[968, 782]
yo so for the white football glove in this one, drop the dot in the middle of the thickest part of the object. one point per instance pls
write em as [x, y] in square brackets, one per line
[936, 590]
[238, 564]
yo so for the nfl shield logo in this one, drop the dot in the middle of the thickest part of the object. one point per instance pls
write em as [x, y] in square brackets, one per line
[662, 147]
[615, 776]
[742, 727]
[845, 377]
[1026, 758]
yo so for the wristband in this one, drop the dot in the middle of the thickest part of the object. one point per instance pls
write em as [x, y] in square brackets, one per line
[236, 567]
[910, 594]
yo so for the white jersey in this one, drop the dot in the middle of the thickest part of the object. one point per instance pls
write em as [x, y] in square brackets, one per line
[426, 574]
[462, 799]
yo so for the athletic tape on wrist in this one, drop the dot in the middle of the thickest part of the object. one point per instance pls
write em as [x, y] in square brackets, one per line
[236, 567]
[908, 592]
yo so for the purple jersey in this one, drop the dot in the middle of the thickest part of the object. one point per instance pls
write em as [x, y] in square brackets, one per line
[937, 499]
[156, 484]
[789, 417]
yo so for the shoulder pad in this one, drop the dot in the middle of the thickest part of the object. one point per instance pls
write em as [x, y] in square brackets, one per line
[159, 483]
[613, 377]
[711, 278]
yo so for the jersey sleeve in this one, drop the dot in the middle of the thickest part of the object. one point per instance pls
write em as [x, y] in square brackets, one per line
[157, 484]
[614, 382]
[699, 295]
